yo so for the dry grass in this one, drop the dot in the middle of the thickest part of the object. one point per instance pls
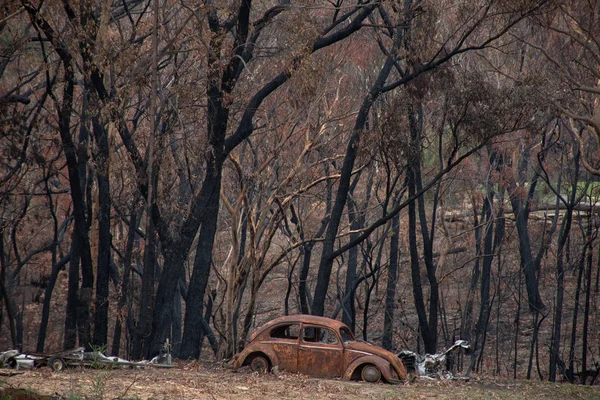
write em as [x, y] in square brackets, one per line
[209, 381]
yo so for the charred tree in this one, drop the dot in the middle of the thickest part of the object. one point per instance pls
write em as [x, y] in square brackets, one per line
[390, 293]
[562, 245]
[220, 85]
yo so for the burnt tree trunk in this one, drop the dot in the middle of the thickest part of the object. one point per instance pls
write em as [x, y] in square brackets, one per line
[416, 128]
[122, 313]
[56, 267]
[415, 269]
[390, 293]
[81, 254]
[466, 323]
[520, 209]
[348, 307]
[303, 276]
[190, 346]
[4, 295]
[586, 312]
[562, 248]
[207, 315]
[70, 339]
[326, 261]
[494, 234]
[104, 237]
[580, 271]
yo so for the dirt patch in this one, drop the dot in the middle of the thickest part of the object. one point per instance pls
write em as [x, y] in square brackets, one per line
[210, 381]
[21, 394]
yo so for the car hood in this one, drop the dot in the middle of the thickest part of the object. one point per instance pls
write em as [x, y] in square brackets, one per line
[372, 349]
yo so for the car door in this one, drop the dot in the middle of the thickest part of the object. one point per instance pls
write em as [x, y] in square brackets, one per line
[283, 339]
[320, 352]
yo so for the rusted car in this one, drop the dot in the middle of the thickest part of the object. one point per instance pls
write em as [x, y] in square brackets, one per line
[320, 347]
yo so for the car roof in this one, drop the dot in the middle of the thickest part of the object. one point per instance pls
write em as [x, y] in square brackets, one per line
[302, 318]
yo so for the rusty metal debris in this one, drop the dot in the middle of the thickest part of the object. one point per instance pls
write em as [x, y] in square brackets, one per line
[79, 358]
[431, 365]
[320, 347]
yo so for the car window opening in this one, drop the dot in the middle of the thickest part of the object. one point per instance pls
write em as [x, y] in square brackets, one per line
[286, 332]
[319, 335]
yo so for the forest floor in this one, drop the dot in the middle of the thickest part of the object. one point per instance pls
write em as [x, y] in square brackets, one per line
[210, 381]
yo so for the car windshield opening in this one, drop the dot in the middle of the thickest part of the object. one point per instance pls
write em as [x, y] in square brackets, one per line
[346, 334]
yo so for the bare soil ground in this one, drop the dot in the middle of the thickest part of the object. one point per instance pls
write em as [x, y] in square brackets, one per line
[210, 381]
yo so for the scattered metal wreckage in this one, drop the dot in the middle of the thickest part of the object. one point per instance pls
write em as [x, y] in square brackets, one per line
[431, 365]
[320, 347]
[78, 357]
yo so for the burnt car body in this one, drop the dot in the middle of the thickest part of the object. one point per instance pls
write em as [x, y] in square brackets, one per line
[318, 346]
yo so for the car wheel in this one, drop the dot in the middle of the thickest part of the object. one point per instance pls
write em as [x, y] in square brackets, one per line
[259, 364]
[370, 373]
[57, 364]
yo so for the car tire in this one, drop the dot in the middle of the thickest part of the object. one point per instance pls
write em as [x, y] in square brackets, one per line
[259, 364]
[370, 373]
[57, 364]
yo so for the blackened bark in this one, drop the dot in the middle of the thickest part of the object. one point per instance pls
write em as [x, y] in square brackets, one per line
[586, 312]
[2, 310]
[488, 256]
[390, 293]
[240, 297]
[202, 264]
[303, 276]
[161, 314]
[326, 263]
[557, 326]
[416, 128]
[562, 250]
[527, 263]
[140, 342]
[304, 294]
[150, 246]
[176, 323]
[467, 317]
[104, 238]
[83, 308]
[175, 253]
[517, 331]
[580, 272]
[70, 339]
[116, 343]
[286, 301]
[4, 295]
[18, 325]
[348, 307]
[56, 267]
[415, 266]
[207, 315]
[73, 296]
[81, 227]
[520, 209]
[122, 314]
[85, 294]
[484, 292]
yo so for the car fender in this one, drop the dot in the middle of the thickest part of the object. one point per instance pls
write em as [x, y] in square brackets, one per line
[384, 366]
[241, 358]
